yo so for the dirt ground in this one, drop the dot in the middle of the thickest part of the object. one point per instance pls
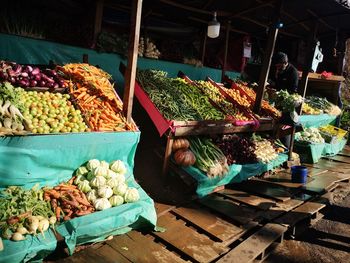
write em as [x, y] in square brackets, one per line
[328, 241]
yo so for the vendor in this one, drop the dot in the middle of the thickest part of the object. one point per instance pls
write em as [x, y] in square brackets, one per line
[285, 75]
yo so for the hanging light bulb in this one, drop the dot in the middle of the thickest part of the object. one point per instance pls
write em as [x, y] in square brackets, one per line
[213, 28]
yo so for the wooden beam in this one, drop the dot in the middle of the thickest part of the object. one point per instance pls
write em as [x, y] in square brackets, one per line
[98, 20]
[286, 14]
[208, 3]
[266, 26]
[193, 9]
[321, 20]
[227, 41]
[271, 40]
[254, 7]
[130, 73]
[204, 47]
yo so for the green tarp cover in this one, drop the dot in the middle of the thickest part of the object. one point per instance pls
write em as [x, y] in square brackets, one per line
[206, 185]
[34, 248]
[32, 51]
[333, 148]
[48, 160]
[309, 152]
[51, 159]
[312, 152]
[237, 173]
[316, 121]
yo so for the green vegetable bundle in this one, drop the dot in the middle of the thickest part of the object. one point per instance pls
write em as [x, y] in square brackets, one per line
[176, 99]
[24, 212]
[287, 102]
[209, 158]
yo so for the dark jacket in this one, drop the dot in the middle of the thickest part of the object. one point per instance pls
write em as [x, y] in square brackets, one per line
[287, 79]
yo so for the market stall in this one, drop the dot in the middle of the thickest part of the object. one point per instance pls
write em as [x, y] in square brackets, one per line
[53, 122]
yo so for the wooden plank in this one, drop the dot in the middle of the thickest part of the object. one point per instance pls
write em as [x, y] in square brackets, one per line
[331, 166]
[137, 248]
[102, 254]
[324, 182]
[230, 209]
[280, 209]
[338, 158]
[219, 129]
[255, 245]
[236, 211]
[300, 213]
[266, 189]
[248, 199]
[209, 222]
[313, 171]
[130, 73]
[282, 179]
[163, 208]
[197, 246]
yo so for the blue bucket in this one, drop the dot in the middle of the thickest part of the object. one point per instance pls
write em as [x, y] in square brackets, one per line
[299, 174]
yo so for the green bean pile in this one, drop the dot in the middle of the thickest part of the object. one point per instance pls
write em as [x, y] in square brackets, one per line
[176, 99]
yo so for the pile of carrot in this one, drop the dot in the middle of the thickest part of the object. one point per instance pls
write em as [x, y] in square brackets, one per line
[67, 201]
[95, 95]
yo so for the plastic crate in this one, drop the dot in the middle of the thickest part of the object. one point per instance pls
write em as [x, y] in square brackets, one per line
[309, 153]
[332, 134]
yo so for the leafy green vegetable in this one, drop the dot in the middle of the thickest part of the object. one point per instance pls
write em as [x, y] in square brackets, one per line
[176, 99]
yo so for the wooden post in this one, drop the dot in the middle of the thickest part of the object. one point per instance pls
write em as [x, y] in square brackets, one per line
[130, 73]
[85, 58]
[167, 155]
[227, 41]
[204, 47]
[304, 80]
[271, 40]
[98, 19]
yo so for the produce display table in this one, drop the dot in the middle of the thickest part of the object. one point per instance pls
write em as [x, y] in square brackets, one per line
[173, 128]
[237, 173]
[316, 121]
[48, 160]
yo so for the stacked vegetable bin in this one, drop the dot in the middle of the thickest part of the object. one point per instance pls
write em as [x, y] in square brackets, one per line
[194, 112]
[76, 159]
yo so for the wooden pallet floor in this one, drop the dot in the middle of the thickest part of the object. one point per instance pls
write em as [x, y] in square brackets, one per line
[238, 224]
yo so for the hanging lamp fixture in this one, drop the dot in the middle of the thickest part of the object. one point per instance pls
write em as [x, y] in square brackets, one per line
[213, 28]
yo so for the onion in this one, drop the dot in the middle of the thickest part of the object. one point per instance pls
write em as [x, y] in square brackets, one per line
[28, 69]
[37, 77]
[24, 74]
[33, 83]
[35, 71]
[42, 83]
